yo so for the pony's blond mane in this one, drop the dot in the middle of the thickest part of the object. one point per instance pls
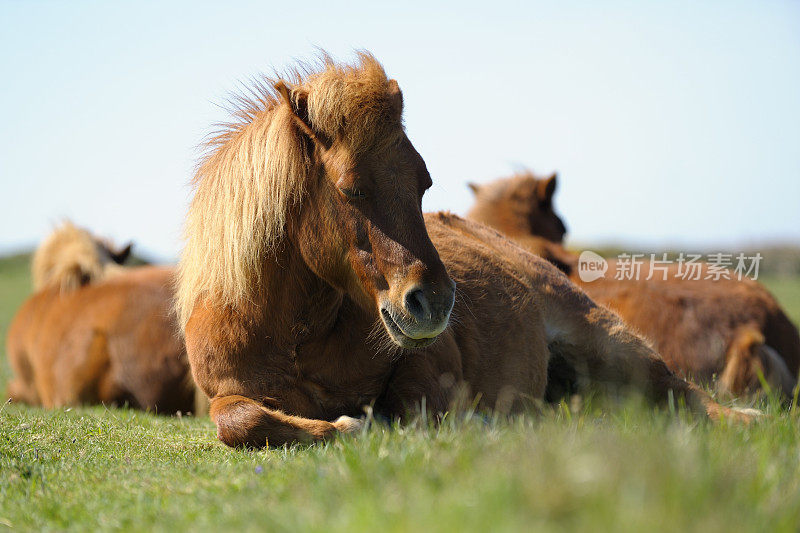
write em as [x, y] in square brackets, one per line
[69, 258]
[257, 167]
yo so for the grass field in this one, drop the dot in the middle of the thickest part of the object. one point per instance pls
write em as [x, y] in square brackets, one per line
[603, 465]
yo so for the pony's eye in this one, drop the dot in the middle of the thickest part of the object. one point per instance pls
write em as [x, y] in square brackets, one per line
[353, 193]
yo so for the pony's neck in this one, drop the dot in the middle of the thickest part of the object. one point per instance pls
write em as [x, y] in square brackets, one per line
[507, 220]
[518, 221]
[296, 305]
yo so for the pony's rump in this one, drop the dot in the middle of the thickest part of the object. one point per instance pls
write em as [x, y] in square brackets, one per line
[97, 332]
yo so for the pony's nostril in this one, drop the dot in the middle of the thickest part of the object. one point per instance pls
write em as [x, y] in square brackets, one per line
[417, 304]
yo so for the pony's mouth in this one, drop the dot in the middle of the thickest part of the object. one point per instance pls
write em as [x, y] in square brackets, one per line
[399, 336]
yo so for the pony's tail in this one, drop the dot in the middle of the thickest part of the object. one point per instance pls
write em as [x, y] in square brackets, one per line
[746, 358]
[71, 257]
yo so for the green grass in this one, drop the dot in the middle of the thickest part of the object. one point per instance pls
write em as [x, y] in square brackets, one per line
[15, 285]
[599, 466]
[630, 469]
[787, 291]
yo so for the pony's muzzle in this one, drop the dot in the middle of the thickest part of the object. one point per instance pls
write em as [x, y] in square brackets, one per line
[423, 316]
[430, 306]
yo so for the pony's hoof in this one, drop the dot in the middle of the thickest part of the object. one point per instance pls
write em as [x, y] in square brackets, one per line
[347, 424]
[748, 413]
[743, 415]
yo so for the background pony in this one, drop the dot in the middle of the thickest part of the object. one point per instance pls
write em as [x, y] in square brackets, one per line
[519, 206]
[728, 330]
[96, 332]
[310, 286]
[71, 257]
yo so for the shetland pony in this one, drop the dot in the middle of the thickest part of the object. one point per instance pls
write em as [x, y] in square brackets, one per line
[311, 285]
[723, 331]
[96, 332]
[519, 205]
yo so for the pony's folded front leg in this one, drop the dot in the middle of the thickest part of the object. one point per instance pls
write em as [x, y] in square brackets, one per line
[417, 383]
[242, 421]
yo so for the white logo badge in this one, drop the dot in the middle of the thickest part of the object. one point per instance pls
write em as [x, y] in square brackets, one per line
[591, 266]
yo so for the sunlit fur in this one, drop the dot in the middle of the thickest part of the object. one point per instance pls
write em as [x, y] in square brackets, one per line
[70, 257]
[257, 168]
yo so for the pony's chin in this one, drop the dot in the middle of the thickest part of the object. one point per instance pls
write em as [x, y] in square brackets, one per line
[400, 338]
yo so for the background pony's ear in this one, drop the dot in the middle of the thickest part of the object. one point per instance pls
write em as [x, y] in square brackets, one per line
[474, 187]
[120, 256]
[545, 189]
[297, 99]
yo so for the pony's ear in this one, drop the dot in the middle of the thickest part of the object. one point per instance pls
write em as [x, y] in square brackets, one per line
[474, 187]
[297, 100]
[395, 97]
[545, 189]
[120, 256]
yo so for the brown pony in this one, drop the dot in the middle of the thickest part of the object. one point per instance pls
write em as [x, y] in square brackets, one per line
[519, 205]
[725, 330]
[310, 287]
[96, 332]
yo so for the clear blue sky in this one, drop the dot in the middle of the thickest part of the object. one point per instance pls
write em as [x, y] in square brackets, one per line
[671, 123]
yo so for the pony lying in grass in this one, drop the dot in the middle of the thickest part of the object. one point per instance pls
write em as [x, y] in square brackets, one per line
[723, 330]
[310, 287]
[97, 332]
